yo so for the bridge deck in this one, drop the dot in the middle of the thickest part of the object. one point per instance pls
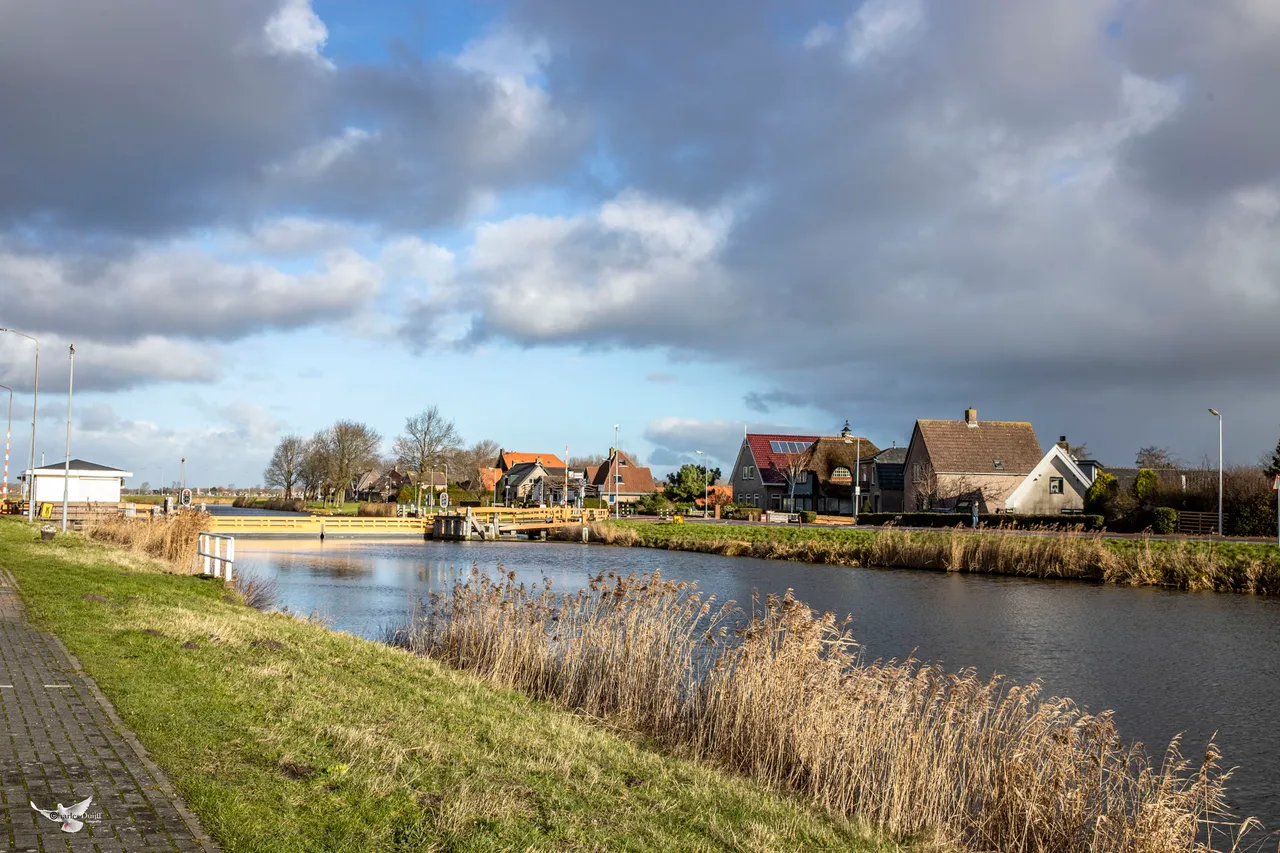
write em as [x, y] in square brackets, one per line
[507, 519]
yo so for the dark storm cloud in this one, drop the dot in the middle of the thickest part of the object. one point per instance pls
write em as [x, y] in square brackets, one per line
[147, 116]
[931, 204]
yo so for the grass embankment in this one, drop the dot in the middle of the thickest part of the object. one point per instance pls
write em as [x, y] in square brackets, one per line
[1181, 564]
[285, 736]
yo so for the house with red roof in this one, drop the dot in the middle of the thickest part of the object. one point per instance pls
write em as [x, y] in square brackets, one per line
[620, 476]
[760, 473]
[508, 459]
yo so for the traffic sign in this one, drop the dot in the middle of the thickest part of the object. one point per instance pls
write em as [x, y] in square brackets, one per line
[444, 500]
[186, 497]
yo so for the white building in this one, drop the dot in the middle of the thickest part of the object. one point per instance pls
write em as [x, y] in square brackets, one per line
[89, 481]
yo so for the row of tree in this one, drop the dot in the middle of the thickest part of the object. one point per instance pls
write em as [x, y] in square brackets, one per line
[330, 464]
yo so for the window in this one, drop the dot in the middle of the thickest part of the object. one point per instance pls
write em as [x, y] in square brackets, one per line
[622, 463]
[802, 477]
[617, 478]
[841, 473]
[748, 472]
[1055, 485]
[998, 464]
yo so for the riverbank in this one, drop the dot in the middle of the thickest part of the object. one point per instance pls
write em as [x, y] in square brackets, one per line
[1176, 563]
[285, 736]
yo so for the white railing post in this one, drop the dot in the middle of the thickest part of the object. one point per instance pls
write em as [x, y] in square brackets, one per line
[213, 561]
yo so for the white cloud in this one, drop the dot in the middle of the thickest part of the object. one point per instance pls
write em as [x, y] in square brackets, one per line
[880, 27]
[314, 161]
[521, 109]
[295, 28]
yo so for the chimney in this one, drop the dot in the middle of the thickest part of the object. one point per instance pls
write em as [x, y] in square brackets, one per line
[1062, 442]
[971, 417]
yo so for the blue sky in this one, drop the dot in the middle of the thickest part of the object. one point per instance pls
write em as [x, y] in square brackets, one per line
[689, 219]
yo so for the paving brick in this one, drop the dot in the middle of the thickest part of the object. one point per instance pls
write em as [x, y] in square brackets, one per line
[61, 741]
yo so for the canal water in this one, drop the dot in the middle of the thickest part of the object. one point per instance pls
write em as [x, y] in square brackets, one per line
[1165, 662]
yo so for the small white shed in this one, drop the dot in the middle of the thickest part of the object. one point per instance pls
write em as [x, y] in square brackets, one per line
[88, 481]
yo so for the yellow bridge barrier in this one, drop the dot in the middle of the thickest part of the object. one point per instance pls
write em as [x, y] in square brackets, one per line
[498, 519]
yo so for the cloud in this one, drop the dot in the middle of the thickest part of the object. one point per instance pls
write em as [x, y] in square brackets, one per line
[178, 290]
[880, 26]
[107, 366]
[766, 402]
[676, 439]
[661, 378]
[296, 28]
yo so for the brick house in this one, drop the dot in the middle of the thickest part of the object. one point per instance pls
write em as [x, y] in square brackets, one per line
[621, 476]
[950, 464]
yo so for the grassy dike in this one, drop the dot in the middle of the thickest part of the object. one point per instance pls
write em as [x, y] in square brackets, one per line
[285, 736]
[1176, 563]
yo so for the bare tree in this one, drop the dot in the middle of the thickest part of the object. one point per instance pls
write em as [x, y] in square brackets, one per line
[428, 436]
[286, 462]
[591, 460]
[468, 462]
[796, 468]
[351, 447]
[1156, 457]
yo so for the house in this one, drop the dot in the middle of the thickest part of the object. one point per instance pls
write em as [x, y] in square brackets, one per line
[888, 469]
[489, 478]
[950, 464]
[507, 458]
[533, 482]
[619, 475]
[86, 482]
[824, 483]
[760, 473]
[1056, 484]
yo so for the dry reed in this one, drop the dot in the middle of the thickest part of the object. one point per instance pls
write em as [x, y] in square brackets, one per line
[168, 538]
[786, 698]
[376, 510]
[1035, 553]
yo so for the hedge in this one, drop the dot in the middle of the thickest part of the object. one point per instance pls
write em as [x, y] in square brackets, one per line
[1005, 520]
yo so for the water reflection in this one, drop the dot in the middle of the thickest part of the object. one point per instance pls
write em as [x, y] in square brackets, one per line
[1166, 662]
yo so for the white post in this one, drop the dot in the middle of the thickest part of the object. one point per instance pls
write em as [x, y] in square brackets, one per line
[1218, 415]
[66, 469]
[231, 556]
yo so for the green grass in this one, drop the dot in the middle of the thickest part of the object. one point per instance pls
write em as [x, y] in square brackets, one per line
[285, 736]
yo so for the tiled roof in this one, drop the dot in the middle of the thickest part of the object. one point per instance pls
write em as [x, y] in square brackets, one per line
[987, 447]
[508, 458]
[770, 464]
[78, 465]
[489, 478]
[892, 455]
[828, 453]
[636, 479]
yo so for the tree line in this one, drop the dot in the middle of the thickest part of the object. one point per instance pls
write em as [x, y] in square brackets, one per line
[329, 464]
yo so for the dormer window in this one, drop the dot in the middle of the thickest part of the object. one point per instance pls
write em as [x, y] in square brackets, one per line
[841, 473]
[998, 464]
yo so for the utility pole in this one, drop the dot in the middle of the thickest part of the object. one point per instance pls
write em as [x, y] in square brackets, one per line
[706, 490]
[1217, 415]
[617, 510]
[66, 470]
[35, 399]
[8, 430]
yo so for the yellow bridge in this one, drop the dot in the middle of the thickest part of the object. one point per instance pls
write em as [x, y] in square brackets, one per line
[465, 523]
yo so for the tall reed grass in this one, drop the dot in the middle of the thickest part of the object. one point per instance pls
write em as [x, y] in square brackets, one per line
[1141, 561]
[784, 696]
[170, 538]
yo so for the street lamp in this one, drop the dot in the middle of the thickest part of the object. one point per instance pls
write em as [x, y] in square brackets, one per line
[857, 470]
[617, 510]
[66, 469]
[1217, 415]
[4, 487]
[35, 398]
[706, 490]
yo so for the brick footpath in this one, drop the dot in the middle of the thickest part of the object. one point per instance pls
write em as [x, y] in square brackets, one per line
[61, 741]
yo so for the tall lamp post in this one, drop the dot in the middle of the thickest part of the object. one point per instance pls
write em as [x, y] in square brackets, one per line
[613, 473]
[35, 398]
[1218, 415]
[857, 468]
[8, 430]
[706, 489]
[66, 469]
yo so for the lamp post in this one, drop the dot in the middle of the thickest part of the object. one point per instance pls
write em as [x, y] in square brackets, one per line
[8, 430]
[35, 398]
[1218, 415]
[614, 474]
[706, 489]
[66, 469]
[857, 468]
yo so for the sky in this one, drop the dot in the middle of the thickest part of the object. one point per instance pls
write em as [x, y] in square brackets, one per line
[689, 219]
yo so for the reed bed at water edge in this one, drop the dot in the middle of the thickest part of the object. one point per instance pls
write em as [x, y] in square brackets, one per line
[170, 538]
[1143, 561]
[784, 696]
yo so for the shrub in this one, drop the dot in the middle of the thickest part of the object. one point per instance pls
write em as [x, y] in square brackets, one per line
[808, 517]
[1145, 486]
[653, 504]
[594, 503]
[1164, 520]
